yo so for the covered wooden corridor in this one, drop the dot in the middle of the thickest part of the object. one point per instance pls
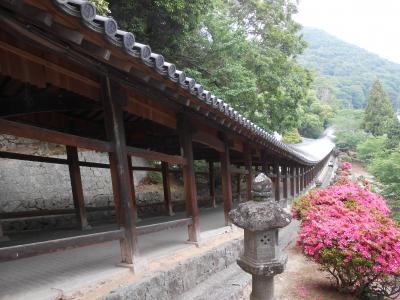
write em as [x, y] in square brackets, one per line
[71, 77]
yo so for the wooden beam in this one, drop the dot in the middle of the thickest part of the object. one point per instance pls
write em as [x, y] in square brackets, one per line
[209, 140]
[90, 164]
[77, 189]
[163, 226]
[226, 183]
[33, 249]
[185, 138]
[153, 155]
[35, 158]
[249, 176]
[146, 169]
[46, 63]
[46, 212]
[167, 188]
[52, 136]
[211, 182]
[62, 161]
[114, 125]
[30, 102]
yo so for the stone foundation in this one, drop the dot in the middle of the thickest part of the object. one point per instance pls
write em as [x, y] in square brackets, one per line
[170, 283]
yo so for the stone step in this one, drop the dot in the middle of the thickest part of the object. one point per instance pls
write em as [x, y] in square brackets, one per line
[213, 274]
[228, 284]
[175, 280]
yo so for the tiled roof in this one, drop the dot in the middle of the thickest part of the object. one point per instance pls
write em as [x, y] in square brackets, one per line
[108, 28]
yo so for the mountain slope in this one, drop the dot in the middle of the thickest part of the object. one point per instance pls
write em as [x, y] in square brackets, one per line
[347, 71]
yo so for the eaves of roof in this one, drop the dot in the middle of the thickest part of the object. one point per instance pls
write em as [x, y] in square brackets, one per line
[107, 27]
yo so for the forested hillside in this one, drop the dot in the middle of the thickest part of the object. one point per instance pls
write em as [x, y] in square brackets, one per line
[346, 72]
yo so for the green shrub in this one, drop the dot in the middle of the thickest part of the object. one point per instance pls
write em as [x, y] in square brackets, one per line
[291, 136]
[386, 169]
[371, 148]
[348, 140]
[345, 158]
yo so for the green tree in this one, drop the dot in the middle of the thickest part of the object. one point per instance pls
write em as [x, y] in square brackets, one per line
[348, 140]
[163, 24]
[348, 79]
[250, 65]
[242, 51]
[379, 114]
[371, 147]
[387, 169]
[314, 116]
[291, 136]
[393, 136]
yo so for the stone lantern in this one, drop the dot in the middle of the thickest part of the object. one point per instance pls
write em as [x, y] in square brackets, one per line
[261, 220]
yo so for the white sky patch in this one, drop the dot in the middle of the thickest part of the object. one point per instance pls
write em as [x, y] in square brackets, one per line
[371, 24]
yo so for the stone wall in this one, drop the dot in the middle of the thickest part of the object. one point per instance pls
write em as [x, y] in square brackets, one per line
[29, 186]
[32, 185]
[172, 282]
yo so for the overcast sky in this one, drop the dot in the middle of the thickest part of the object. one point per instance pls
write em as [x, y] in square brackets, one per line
[371, 24]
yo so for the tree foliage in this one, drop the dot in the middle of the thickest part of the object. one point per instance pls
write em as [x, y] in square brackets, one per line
[102, 7]
[379, 115]
[386, 168]
[243, 51]
[246, 52]
[345, 78]
[314, 115]
[393, 136]
[163, 24]
[371, 148]
[291, 136]
[348, 132]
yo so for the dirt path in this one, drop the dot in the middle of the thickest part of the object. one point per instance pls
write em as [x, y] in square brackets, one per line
[303, 280]
[359, 169]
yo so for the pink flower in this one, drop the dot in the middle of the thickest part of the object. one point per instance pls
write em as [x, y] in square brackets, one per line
[347, 225]
[346, 166]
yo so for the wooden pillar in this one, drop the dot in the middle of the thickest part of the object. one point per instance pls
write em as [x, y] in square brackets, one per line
[285, 182]
[114, 124]
[189, 180]
[277, 182]
[292, 178]
[226, 182]
[132, 187]
[301, 178]
[238, 188]
[166, 188]
[211, 179]
[249, 176]
[297, 180]
[76, 185]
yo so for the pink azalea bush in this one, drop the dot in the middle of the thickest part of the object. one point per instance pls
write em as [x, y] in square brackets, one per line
[346, 166]
[348, 230]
